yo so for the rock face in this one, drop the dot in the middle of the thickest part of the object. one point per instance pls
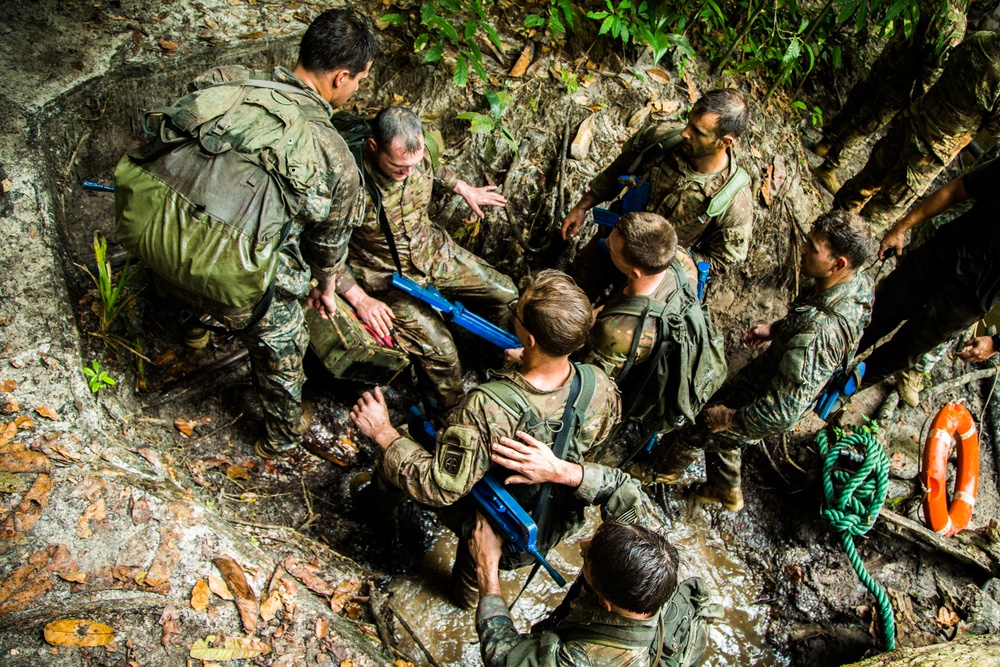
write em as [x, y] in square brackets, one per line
[981, 651]
[97, 523]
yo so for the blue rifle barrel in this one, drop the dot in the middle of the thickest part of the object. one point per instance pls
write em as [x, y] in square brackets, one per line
[94, 186]
[457, 313]
[504, 512]
[703, 268]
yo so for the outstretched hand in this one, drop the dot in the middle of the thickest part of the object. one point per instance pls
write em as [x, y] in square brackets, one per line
[478, 197]
[371, 416]
[533, 462]
[977, 349]
[757, 335]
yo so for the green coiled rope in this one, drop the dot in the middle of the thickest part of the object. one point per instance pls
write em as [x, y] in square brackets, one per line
[853, 501]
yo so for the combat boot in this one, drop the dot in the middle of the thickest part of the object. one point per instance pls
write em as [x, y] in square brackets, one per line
[821, 148]
[908, 384]
[723, 480]
[730, 499]
[269, 450]
[827, 178]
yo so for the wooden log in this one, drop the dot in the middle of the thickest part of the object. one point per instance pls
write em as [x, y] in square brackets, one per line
[965, 548]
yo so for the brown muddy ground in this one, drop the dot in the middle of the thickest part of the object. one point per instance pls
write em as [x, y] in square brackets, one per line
[790, 594]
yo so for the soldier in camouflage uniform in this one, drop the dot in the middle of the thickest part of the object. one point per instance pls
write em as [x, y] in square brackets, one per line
[773, 392]
[686, 167]
[398, 166]
[930, 134]
[552, 320]
[334, 56]
[628, 583]
[904, 70]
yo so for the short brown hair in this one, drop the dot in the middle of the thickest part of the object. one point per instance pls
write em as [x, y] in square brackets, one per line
[847, 234]
[649, 241]
[555, 311]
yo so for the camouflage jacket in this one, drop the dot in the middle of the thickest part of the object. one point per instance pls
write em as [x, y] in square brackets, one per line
[462, 454]
[819, 334]
[963, 101]
[318, 240]
[621, 499]
[680, 194]
[611, 337]
[423, 246]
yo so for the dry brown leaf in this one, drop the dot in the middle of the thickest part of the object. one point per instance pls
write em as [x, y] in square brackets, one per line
[169, 624]
[167, 555]
[307, 576]
[24, 422]
[8, 385]
[166, 358]
[8, 404]
[47, 412]
[322, 627]
[218, 586]
[142, 509]
[946, 618]
[584, 137]
[269, 608]
[344, 594]
[658, 75]
[9, 431]
[27, 512]
[78, 633]
[521, 66]
[22, 587]
[168, 45]
[227, 648]
[257, 34]
[199, 596]
[76, 576]
[94, 512]
[187, 427]
[246, 599]
[765, 188]
[24, 460]
[237, 472]
[692, 90]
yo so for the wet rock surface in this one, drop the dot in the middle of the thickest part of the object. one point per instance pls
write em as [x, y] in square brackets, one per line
[121, 504]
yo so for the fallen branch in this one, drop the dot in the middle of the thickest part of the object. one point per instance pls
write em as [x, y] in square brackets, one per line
[962, 548]
[416, 639]
[211, 433]
[960, 381]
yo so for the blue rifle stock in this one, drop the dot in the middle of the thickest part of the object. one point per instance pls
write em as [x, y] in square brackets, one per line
[505, 514]
[703, 268]
[633, 200]
[94, 186]
[457, 313]
[840, 385]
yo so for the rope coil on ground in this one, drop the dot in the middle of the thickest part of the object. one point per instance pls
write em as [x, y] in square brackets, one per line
[853, 501]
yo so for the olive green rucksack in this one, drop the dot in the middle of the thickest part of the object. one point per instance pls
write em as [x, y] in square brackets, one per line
[208, 202]
[686, 368]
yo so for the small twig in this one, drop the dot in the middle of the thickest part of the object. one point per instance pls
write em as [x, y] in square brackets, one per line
[188, 443]
[72, 158]
[961, 380]
[416, 639]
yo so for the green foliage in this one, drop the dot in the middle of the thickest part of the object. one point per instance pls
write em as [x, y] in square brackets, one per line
[114, 298]
[453, 25]
[483, 124]
[96, 378]
[559, 16]
[569, 80]
[815, 114]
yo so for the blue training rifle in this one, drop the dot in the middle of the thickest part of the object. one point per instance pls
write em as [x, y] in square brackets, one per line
[457, 313]
[505, 514]
[841, 385]
[94, 186]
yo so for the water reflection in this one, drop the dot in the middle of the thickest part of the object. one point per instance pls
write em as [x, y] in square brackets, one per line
[449, 633]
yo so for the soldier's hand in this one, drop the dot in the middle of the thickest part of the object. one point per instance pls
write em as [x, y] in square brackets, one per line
[371, 416]
[719, 418]
[375, 314]
[977, 349]
[757, 335]
[477, 197]
[513, 356]
[321, 298]
[534, 462]
[893, 239]
[573, 221]
[485, 547]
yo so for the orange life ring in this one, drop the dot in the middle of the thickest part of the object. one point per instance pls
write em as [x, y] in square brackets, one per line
[953, 423]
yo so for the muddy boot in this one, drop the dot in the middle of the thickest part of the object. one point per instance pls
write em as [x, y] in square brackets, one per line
[671, 463]
[821, 148]
[908, 384]
[272, 450]
[195, 336]
[730, 499]
[722, 486]
[827, 178]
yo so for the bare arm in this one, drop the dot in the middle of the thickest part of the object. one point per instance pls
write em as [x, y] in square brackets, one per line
[939, 201]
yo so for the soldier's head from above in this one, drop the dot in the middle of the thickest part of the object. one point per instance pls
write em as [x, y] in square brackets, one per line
[553, 314]
[839, 241]
[397, 142]
[642, 244]
[630, 568]
[716, 120]
[337, 51]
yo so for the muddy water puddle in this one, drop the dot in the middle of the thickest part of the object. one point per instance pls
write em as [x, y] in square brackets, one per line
[449, 634]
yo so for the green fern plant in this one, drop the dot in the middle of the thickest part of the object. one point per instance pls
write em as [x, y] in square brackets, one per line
[483, 124]
[114, 297]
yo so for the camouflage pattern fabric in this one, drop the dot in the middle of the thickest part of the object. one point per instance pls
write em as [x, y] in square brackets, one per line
[316, 247]
[906, 68]
[681, 195]
[774, 391]
[930, 134]
[428, 256]
[621, 499]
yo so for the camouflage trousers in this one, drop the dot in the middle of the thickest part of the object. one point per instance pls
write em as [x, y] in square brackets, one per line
[423, 334]
[900, 168]
[723, 454]
[872, 103]
[929, 298]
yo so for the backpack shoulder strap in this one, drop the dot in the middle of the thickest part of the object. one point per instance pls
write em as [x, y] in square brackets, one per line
[654, 151]
[507, 396]
[721, 200]
[588, 386]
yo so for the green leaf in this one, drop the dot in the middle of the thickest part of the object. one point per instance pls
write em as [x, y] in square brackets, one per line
[835, 56]
[492, 34]
[394, 19]
[427, 13]
[509, 138]
[475, 57]
[470, 30]
[480, 123]
[846, 10]
[606, 25]
[434, 53]
[447, 29]
[420, 43]
[792, 52]
[597, 16]
[461, 71]
[533, 21]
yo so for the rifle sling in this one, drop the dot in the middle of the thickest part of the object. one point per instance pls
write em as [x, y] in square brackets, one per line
[383, 219]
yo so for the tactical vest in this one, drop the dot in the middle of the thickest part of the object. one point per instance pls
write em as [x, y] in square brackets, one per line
[209, 201]
[685, 368]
